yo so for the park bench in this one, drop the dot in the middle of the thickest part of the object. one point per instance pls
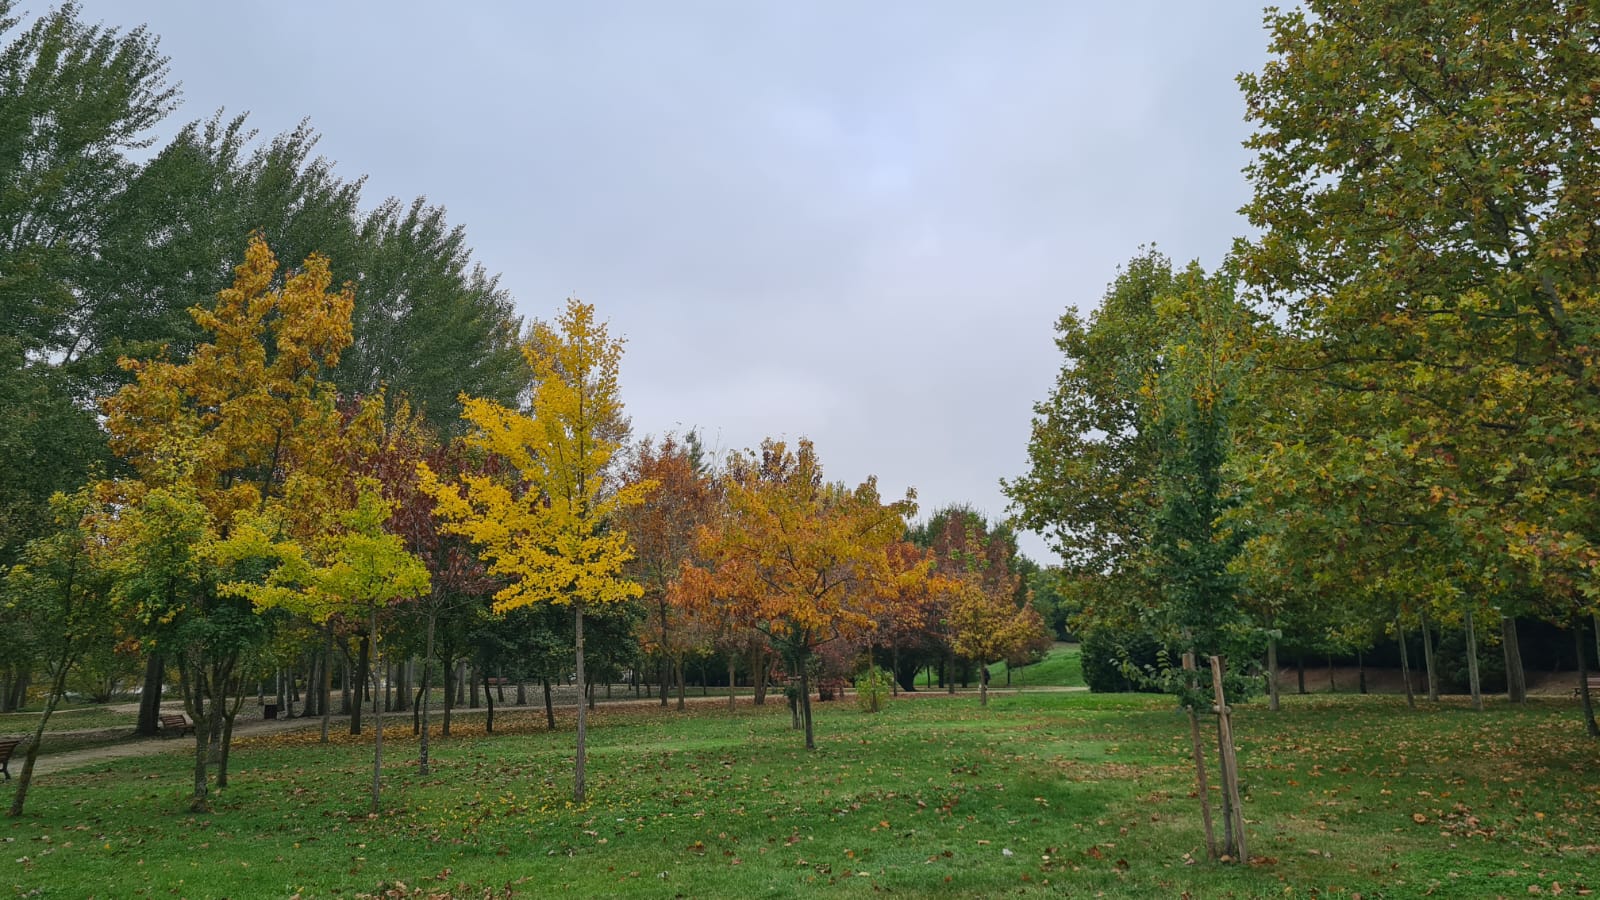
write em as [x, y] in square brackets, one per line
[7, 747]
[829, 688]
[497, 681]
[176, 724]
[1594, 687]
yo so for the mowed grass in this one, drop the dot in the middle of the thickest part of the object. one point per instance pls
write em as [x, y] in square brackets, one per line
[1061, 667]
[80, 718]
[1089, 794]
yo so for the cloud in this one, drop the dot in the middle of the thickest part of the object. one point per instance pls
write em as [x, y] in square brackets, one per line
[856, 222]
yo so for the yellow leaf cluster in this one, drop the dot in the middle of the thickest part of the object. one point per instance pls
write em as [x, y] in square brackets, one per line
[549, 525]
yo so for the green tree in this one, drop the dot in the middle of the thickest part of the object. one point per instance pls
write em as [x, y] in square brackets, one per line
[353, 567]
[75, 101]
[1426, 188]
[238, 424]
[54, 602]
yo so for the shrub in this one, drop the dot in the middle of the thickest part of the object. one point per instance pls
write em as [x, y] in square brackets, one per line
[873, 688]
[1103, 657]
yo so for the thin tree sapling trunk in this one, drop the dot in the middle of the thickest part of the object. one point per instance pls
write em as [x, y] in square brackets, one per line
[805, 706]
[1427, 658]
[1587, 701]
[488, 695]
[363, 673]
[57, 689]
[427, 692]
[1272, 672]
[1202, 785]
[583, 713]
[377, 708]
[1405, 662]
[1472, 661]
[1516, 678]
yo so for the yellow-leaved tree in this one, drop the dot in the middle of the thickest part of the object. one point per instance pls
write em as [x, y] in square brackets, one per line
[349, 565]
[208, 439]
[549, 525]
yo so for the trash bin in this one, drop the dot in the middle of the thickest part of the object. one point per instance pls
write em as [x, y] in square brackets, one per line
[269, 711]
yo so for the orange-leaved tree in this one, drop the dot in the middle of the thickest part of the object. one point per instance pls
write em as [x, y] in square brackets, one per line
[987, 625]
[210, 438]
[550, 525]
[806, 558]
[662, 530]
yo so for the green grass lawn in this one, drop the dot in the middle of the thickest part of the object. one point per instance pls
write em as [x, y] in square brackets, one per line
[1061, 667]
[1088, 793]
[74, 719]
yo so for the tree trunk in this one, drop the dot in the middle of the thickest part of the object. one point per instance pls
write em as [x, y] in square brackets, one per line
[661, 677]
[377, 708]
[472, 702]
[344, 681]
[1361, 672]
[949, 673]
[580, 758]
[522, 692]
[1427, 658]
[190, 681]
[230, 713]
[26, 778]
[1516, 678]
[731, 674]
[983, 684]
[677, 671]
[427, 697]
[450, 694]
[1272, 672]
[313, 704]
[488, 696]
[327, 678]
[1232, 803]
[758, 675]
[894, 667]
[1596, 622]
[805, 706]
[1405, 662]
[549, 706]
[1472, 661]
[200, 803]
[1333, 687]
[363, 672]
[1587, 701]
[1202, 787]
[1300, 673]
[150, 696]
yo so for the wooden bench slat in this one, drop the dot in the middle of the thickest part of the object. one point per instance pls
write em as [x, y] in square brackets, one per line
[176, 724]
[7, 747]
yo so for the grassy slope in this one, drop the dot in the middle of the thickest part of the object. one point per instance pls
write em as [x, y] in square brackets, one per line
[1089, 792]
[1061, 667]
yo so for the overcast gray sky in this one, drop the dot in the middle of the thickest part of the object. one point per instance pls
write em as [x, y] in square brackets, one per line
[855, 222]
